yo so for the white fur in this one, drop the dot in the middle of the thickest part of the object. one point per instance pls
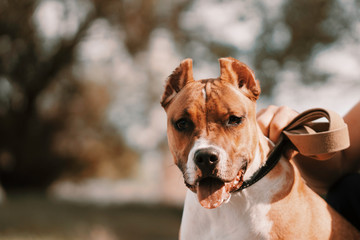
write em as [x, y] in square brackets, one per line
[255, 165]
[204, 92]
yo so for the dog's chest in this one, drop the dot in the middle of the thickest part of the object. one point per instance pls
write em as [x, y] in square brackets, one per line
[243, 217]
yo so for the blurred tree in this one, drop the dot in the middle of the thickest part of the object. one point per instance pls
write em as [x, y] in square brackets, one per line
[28, 72]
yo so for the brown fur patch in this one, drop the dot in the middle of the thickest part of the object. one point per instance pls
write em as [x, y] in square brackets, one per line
[276, 172]
[299, 213]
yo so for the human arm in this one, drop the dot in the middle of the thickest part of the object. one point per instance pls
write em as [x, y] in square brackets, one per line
[322, 172]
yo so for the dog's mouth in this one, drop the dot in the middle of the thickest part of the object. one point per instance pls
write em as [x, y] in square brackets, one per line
[213, 191]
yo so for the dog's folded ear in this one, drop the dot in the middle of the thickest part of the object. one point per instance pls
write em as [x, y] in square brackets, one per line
[240, 75]
[181, 76]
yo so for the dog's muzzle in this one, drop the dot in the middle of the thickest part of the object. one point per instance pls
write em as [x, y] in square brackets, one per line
[212, 190]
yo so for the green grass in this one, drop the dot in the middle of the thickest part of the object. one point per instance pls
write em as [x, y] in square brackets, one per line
[31, 216]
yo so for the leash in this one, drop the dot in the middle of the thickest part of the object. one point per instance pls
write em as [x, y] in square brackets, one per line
[308, 138]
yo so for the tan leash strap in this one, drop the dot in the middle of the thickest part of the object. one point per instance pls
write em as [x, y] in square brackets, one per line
[314, 138]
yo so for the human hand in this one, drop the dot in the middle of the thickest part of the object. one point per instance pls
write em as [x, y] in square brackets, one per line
[273, 119]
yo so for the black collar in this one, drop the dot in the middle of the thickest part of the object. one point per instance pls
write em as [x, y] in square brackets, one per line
[270, 163]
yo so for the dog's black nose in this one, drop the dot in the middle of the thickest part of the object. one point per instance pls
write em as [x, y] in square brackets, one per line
[206, 159]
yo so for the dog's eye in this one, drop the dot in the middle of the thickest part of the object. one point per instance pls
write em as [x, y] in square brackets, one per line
[235, 120]
[182, 124]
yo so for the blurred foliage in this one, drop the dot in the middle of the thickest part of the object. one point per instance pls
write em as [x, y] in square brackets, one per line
[52, 124]
[53, 120]
[313, 25]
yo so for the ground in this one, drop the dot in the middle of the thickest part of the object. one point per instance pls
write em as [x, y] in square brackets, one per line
[29, 216]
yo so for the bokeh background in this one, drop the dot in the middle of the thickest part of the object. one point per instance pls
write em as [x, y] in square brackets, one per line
[83, 149]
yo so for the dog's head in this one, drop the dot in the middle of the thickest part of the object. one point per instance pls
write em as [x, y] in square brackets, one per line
[211, 128]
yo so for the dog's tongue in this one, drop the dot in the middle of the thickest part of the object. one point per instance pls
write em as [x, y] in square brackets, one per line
[211, 192]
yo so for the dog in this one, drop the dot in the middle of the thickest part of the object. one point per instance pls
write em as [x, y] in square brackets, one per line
[218, 146]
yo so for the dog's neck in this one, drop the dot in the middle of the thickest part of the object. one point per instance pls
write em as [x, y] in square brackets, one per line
[262, 151]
